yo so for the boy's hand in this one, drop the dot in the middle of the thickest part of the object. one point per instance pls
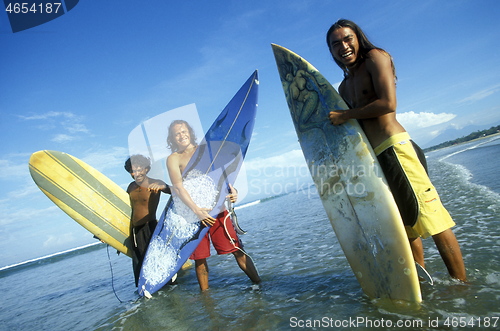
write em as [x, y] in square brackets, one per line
[204, 217]
[233, 194]
[158, 186]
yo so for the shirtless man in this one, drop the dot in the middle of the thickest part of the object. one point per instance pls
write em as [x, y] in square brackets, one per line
[369, 88]
[182, 141]
[144, 195]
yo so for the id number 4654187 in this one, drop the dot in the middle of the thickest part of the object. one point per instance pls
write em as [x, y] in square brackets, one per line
[481, 322]
[33, 7]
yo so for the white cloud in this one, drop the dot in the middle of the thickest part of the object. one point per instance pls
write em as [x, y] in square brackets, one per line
[423, 119]
[481, 94]
[11, 170]
[18, 214]
[287, 165]
[293, 158]
[23, 192]
[76, 127]
[71, 124]
[59, 240]
[109, 158]
[62, 138]
[47, 115]
[276, 175]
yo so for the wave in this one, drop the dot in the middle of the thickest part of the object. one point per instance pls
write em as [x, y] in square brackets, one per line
[309, 188]
[275, 196]
[48, 257]
[454, 175]
[468, 147]
[249, 204]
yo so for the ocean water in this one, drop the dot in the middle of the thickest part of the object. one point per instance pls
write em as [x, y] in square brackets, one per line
[307, 282]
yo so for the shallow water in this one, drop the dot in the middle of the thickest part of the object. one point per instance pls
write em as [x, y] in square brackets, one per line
[307, 282]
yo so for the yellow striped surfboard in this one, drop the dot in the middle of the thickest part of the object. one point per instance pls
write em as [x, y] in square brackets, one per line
[86, 195]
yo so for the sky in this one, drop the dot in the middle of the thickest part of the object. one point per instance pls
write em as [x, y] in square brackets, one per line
[81, 83]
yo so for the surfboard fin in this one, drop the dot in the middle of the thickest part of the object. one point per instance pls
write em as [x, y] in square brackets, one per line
[145, 293]
[422, 273]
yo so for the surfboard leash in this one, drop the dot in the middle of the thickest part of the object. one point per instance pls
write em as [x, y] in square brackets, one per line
[234, 219]
[231, 240]
[112, 275]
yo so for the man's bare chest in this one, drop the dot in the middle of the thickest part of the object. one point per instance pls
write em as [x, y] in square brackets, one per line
[140, 196]
[184, 158]
[358, 90]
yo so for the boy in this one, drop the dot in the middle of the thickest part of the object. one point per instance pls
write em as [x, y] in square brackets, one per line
[144, 195]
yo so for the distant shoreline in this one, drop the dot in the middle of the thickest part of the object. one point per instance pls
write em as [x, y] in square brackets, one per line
[38, 259]
[491, 132]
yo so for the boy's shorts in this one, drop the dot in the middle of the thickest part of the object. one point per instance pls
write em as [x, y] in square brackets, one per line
[405, 169]
[219, 238]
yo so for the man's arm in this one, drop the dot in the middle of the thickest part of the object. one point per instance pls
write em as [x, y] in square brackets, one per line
[159, 185]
